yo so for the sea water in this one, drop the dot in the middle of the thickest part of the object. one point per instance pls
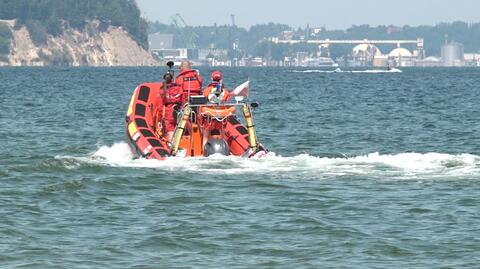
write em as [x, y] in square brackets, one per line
[367, 169]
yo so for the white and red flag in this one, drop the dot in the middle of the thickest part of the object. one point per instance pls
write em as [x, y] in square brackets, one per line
[241, 90]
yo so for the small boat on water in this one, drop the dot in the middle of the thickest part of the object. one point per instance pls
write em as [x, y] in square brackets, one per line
[203, 127]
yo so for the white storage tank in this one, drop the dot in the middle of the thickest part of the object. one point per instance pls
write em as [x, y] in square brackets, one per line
[453, 54]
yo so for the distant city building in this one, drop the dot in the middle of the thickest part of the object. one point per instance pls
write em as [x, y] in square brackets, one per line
[213, 57]
[315, 32]
[430, 61]
[286, 35]
[472, 59]
[380, 61]
[256, 62]
[172, 54]
[453, 54]
[364, 54]
[401, 57]
[163, 46]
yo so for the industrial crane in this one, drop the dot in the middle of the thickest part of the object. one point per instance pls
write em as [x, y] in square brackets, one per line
[184, 32]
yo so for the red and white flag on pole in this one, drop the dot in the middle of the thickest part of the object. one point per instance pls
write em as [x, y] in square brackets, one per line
[241, 90]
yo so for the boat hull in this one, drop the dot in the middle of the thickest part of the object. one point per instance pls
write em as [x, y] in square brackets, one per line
[147, 139]
[141, 126]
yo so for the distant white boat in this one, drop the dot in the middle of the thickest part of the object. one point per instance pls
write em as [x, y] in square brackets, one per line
[319, 62]
[395, 70]
[376, 71]
[337, 70]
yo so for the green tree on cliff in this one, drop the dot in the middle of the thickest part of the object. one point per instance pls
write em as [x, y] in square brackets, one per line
[50, 14]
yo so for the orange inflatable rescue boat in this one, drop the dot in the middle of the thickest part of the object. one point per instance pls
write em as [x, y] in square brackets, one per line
[203, 127]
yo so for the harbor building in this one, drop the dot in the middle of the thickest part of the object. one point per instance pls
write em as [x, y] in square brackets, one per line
[364, 54]
[402, 57]
[367, 53]
[472, 59]
[453, 54]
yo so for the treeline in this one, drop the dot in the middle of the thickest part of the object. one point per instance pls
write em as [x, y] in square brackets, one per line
[252, 41]
[435, 36]
[222, 36]
[5, 35]
[44, 17]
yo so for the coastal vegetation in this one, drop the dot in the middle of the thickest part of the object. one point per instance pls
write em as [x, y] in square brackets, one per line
[252, 41]
[5, 36]
[73, 33]
[435, 36]
[43, 17]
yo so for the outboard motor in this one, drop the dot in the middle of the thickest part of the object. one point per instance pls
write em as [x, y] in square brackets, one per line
[216, 146]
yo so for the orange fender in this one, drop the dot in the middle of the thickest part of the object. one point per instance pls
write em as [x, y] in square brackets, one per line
[141, 121]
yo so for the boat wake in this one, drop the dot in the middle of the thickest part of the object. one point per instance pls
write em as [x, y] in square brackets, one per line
[338, 70]
[401, 166]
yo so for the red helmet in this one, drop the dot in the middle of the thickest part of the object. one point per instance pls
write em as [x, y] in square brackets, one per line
[217, 75]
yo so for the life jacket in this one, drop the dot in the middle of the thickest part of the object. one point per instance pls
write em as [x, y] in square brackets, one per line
[168, 97]
[216, 93]
[190, 81]
[211, 92]
[173, 94]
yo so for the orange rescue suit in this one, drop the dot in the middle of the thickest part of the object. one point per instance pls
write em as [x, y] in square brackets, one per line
[171, 99]
[215, 93]
[190, 81]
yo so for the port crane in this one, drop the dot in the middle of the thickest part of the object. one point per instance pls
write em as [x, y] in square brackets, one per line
[184, 32]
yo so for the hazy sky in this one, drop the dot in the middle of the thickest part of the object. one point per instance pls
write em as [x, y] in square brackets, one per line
[333, 14]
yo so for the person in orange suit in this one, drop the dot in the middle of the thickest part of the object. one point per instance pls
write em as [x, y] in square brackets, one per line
[189, 80]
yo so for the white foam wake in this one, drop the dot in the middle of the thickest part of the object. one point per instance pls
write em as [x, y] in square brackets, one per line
[338, 70]
[402, 165]
[393, 70]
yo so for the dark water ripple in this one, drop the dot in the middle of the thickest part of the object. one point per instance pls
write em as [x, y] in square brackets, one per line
[371, 171]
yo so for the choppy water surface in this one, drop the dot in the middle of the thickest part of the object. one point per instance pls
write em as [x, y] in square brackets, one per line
[367, 170]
